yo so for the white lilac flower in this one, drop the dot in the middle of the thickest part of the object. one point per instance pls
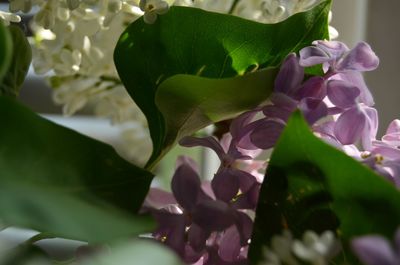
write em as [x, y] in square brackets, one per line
[152, 8]
[315, 249]
[312, 249]
[7, 17]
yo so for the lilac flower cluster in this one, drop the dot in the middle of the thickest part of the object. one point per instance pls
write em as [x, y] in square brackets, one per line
[210, 223]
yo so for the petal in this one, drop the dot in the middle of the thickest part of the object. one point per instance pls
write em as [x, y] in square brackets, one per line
[245, 179]
[350, 126]
[249, 199]
[313, 109]
[335, 49]
[311, 56]
[357, 80]
[225, 185]
[360, 58]
[239, 123]
[213, 215]
[171, 230]
[229, 247]
[313, 88]
[342, 93]
[209, 142]
[373, 250]
[266, 134]
[394, 127]
[386, 150]
[272, 111]
[186, 186]
[371, 129]
[283, 101]
[245, 227]
[290, 75]
[197, 237]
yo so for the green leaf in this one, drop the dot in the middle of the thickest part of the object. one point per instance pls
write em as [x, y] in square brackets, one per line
[20, 61]
[5, 50]
[195, 42]
[311, 185]
[55, 180]
[142, 252]
[189, 103]
[24, 255]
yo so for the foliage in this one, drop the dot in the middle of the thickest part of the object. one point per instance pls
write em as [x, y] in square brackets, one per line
[209, 45]
[310, 185]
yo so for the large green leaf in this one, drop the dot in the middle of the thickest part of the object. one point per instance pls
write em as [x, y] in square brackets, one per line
[310, 185]
[55, 180]
[20, 61]
[189, 103]
[5, 50]
[195, 42]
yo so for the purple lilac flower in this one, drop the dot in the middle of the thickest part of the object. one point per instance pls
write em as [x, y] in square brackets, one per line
[377, 250]
[195, 224]
[229, 179]
[346, 89]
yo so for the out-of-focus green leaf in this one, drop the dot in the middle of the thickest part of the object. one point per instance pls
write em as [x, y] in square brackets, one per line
[20, 61]
[142, 252]
[55, 180]
[310, 185]
[5, 50]
[195, 42]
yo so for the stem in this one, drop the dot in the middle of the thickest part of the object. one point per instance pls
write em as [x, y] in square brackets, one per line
[233, 7]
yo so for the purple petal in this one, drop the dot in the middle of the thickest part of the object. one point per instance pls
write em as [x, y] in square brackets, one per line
[249, 199]
[171, 230]
[245, 227]
[386, 150]
[374, 250]
[335, 49]
[229, 247]
[209, 142]
[225, 186]
[272, 111]
[311, 56]
[371, 129]
[290, 75]
[267, 133]
[357, 80]
[313, 109]
[360, 58]
[350, 126]
[186, 186]
[283, 101]
[191, 256]
[392, 135]
[213, 215]
[197, 237]
[312, 88]
[245, 179]
[239, 123]
[342, 93]
[394, 127]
